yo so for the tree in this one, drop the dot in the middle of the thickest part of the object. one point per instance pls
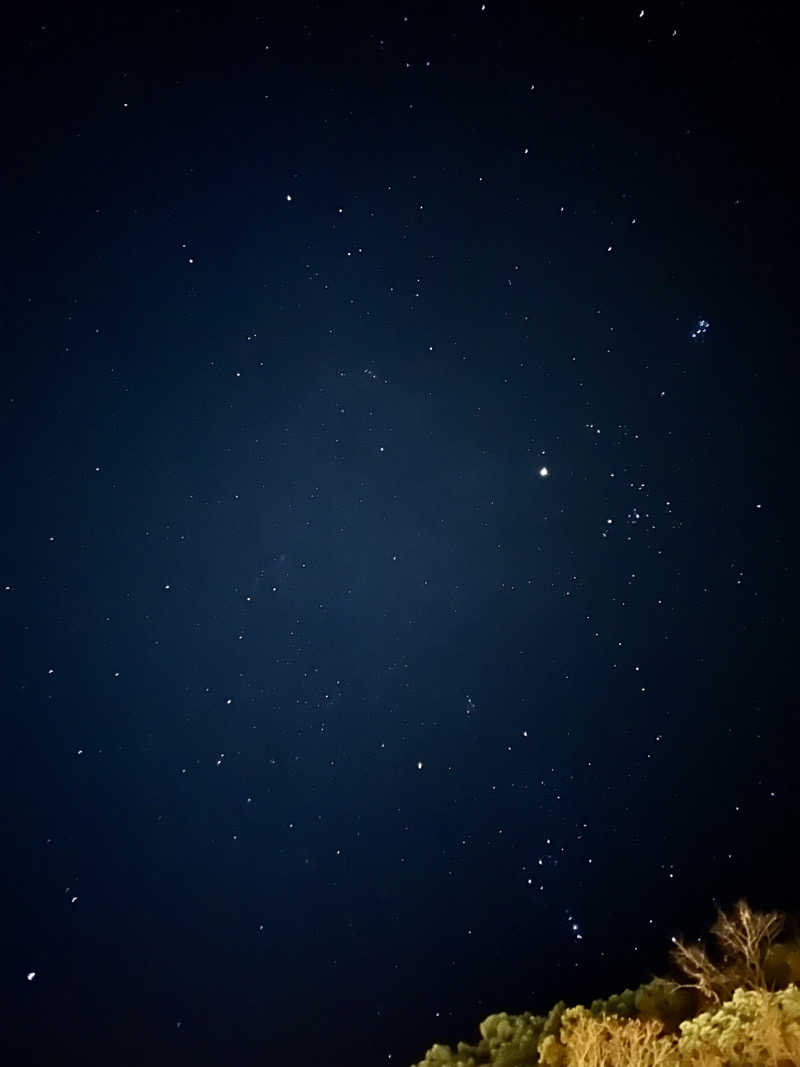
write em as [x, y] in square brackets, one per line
[744, 938]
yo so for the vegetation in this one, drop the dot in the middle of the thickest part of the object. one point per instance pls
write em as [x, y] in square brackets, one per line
[734, 1005]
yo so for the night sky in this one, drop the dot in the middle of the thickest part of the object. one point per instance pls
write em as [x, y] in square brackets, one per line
[398, 571]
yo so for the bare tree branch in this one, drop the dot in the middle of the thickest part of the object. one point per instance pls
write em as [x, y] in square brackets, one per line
[745, 936]
[704, 975]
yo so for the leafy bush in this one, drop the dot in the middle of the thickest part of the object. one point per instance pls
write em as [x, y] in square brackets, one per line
[746, 992]
[755, 1028]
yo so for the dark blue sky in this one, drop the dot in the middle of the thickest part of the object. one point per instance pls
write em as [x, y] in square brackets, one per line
[332, 722]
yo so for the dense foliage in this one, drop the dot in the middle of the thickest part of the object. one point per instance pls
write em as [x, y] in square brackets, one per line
[734, 1005]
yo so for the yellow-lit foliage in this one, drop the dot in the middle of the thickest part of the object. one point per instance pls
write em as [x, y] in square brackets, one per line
[609, 1041]
[755, 1028]
[506, 1041]
[622, 1004]
[744, 939]
[750, 1014]
[512, 1040]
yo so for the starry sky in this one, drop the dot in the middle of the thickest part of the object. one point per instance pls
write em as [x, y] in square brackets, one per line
[397, 571]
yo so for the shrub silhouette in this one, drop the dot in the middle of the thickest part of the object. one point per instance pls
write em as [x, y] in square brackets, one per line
[782, 966]
[667, 1001]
